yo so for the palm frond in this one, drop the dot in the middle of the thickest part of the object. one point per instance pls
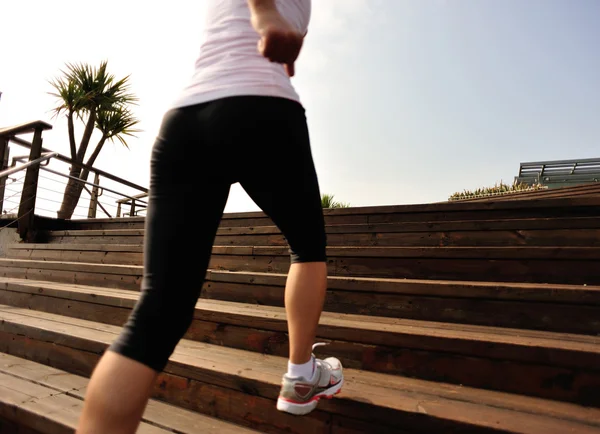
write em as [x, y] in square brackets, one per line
[116, 123]
[328, 202]
[70, 96]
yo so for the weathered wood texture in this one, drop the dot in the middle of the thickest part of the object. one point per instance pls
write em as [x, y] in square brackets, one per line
[567, 265]
[584, 231]
[242, 386]
[449, 318]
[433, 351]
[564, 192]
[438, 212]
[562, 308]
[158, 417]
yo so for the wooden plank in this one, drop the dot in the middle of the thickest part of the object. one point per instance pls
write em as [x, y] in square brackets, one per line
[113, 307]
[435, 226]
[99, 257]
[126, 248]
[554, 238]
[74, 266]
[97, 233]
[105, 280]
[499, 359]
[97, 240]
[537, 252]
[25, 128]
[130, 277]
[160, 415]
[8, 427]
[570, 192]
[545, 232]
[465, 289]
[390, 401]
[538, 316]
[336, 326]
[515, 252]
[558, 317]
[433, 212]
[566, 265]
[42, 409]
[439, 207]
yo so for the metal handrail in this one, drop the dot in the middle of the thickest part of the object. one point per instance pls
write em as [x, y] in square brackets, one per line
[68, 160]
[126, 199]
[92, 184]
[137, 197]
[45, 157]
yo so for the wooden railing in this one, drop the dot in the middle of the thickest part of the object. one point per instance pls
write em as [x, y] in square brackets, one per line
[25, 219]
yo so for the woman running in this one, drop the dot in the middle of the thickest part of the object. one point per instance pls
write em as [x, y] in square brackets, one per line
[239, 120]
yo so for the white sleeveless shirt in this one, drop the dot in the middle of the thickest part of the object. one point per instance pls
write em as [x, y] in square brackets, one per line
[229, 63]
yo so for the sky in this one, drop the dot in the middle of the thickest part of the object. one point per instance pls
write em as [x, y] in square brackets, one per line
[408, 101]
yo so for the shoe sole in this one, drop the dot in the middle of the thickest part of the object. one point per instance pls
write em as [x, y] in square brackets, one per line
[302, 409]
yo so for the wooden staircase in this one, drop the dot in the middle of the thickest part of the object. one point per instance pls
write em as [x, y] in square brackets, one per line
[476, 317]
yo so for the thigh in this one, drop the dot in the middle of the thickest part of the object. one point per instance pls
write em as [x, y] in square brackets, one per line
[185, 206]
[284, 183]
[178, 241]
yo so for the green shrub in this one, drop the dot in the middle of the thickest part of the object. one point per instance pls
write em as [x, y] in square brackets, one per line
[497, 189]
[328, 202]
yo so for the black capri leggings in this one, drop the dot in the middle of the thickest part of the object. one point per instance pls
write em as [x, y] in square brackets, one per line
[201, 150]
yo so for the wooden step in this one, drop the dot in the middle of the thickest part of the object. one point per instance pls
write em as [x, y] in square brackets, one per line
[48, 400]
[242, 386]
[110, 276]
[568, 265]
[570, 192]
[584, 231]
[444, 211]
[517, 361]
[561, 308]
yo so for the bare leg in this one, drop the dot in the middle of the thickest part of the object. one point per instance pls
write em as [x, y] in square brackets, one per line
[116, 396]
[304, 298]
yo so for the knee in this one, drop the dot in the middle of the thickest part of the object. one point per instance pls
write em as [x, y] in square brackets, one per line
[312, 253]
[154, 329]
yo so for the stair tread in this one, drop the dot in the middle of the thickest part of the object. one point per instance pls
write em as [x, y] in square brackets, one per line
[158, 416]
[426, 226]
[359, 327]
[555, 293]
[226, 366]
[508, 252]
[37, 406]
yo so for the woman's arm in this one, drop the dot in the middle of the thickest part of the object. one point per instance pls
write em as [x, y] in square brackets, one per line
[279, 41]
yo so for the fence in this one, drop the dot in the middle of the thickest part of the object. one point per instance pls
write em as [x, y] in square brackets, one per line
[33, 184]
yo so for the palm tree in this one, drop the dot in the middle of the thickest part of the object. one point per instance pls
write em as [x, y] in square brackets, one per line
[98, 99]
[328, 202]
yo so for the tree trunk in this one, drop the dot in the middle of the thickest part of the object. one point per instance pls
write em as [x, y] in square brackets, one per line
[71, 127]
[87, 135]
[74, 187]
[70, 199]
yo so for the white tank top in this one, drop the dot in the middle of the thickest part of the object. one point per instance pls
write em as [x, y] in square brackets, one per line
[229, 63]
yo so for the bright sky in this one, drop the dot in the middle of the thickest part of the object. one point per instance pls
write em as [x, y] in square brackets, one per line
[407, 101]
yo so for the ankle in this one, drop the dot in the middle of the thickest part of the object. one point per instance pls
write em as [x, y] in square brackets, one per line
[302, 370]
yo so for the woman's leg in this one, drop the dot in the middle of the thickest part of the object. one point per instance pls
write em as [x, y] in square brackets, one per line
[284, 184]
[178, 245]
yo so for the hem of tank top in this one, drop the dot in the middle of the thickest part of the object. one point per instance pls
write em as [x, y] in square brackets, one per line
[194, 99]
